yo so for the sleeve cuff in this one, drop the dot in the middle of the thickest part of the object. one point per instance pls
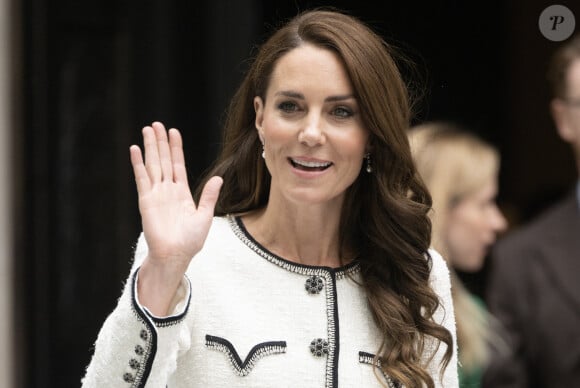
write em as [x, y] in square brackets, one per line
[178, 308]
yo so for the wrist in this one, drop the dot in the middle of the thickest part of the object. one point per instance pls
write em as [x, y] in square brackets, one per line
[157, 285]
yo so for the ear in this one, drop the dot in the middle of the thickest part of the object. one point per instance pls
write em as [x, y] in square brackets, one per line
[259, 109]
[561, 118]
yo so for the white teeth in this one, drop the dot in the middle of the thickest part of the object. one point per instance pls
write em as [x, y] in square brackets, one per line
[311, 164]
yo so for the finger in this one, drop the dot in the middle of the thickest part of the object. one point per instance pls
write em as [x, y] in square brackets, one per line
[209, 196]
[139, 171]
[151, 154]
[177, 157]
[163, 149]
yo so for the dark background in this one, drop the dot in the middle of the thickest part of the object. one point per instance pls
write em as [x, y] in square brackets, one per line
[93, 72]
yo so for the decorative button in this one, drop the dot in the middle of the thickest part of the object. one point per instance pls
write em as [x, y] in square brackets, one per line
[139, 350]
[319, 347]
[134, 364]
[314, 284]
[128, 377]
[144, 335]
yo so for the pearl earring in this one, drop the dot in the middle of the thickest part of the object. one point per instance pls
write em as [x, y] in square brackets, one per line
[368, 168]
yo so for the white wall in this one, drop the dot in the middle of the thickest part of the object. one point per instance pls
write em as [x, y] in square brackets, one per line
[7, 109]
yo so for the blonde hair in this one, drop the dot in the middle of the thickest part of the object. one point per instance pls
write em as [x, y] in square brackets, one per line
[454, 163]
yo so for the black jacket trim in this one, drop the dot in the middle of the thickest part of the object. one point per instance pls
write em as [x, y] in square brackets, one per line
[151, 339]
[333, 326]
[243, 368]
[241, 232]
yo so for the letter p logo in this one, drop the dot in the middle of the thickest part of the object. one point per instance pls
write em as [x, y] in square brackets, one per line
[557, 23]
[558, 19]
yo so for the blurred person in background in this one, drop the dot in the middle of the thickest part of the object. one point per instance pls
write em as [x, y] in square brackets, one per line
[461, 173]
[534, 283]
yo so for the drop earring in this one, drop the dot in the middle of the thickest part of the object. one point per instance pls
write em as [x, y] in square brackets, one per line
[368, 168]
[263, 151]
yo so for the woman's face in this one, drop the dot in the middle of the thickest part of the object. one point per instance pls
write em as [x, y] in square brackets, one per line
[472, 228]
[310, 125]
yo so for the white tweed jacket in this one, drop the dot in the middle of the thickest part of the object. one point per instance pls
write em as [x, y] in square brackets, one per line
[245, 317]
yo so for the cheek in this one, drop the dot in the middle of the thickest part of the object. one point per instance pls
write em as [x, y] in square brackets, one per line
[466, 244]
[274, 135]
[464, 232]
[276, 130]
[353, 144]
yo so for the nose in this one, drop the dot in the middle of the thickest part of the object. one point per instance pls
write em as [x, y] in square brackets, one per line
[498, 221]
[311, 133]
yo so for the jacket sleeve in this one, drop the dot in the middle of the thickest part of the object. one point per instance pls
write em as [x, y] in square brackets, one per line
[135, 348]
[445, 315]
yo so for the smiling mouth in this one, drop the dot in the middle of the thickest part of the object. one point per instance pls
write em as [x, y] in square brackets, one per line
[309, 165]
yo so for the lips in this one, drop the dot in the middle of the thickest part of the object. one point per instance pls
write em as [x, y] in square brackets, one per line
[309, 165]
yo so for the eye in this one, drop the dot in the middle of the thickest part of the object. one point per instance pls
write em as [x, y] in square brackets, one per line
[342, 112]
[288, 106]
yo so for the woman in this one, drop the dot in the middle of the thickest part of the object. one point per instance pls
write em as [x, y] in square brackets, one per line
[461, 172]
[315, 270]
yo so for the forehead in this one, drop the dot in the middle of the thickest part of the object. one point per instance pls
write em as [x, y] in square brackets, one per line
[311, 68]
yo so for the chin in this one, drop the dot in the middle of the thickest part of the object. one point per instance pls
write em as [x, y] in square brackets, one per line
[471, 264]
[475, 266]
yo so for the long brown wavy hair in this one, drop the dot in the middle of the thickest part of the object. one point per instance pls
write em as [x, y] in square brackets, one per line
[384, 217]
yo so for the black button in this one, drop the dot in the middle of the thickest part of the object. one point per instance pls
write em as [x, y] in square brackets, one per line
[134, 364]
[139, 350]
[319, 347]
[128, 377]
[314, 284]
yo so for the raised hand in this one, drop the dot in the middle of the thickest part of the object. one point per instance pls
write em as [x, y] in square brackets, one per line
[174, 227]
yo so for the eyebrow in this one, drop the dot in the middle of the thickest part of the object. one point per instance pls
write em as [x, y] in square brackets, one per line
[300, 96]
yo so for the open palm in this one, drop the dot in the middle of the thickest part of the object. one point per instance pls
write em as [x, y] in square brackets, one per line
[174, 227]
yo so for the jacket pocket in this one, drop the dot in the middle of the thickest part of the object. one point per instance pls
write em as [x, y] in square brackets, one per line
[243, 368]
[370, 359]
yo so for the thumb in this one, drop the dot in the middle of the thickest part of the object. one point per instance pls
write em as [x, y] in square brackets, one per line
[209, 195]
